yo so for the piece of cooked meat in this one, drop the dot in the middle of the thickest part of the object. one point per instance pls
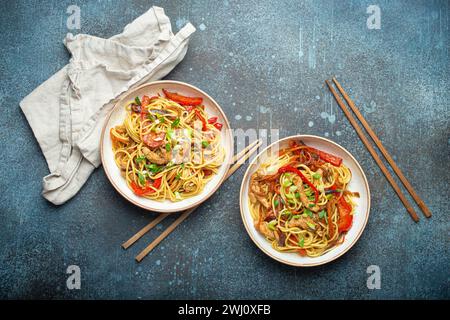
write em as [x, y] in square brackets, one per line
[159, 156]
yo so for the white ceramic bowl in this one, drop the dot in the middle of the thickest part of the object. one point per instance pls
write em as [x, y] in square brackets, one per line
[117, 116]
[357, 184]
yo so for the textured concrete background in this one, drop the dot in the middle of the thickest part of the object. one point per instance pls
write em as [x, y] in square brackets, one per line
[265, 63]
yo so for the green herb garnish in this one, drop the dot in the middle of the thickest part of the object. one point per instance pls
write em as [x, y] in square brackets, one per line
[137, 100]
[311, 225]
[297, 216]
[322, 214]
[276, 203]
[168, 147]
[141, 178]
[272, 224]
[176, 122]
[316, 176]
[140, 159]
[308, 212]
[301, 242]
[154, 168]
[205, 144]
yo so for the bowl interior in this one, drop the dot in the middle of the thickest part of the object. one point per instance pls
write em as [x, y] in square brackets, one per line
[117, 116]
[357, 184]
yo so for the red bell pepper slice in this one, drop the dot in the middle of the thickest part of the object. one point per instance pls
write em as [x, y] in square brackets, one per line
[345, 216]
[199, 115]
[212, 120]
[218, 126]
[327, 157]
[289, 168]
[183, 100]
[138, 190]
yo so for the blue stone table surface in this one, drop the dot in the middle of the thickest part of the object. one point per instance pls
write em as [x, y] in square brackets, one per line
[265, 62]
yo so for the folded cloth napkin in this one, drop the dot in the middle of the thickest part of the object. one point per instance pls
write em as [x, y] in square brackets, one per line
[67, 112]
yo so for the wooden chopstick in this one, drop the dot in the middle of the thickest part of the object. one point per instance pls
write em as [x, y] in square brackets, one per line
[383, 150]
[162, 216]
[240, 158]
[375, 156]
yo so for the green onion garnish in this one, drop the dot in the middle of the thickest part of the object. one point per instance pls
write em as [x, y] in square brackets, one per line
[141, 178]
[140, 159]
[137, 100]
[176, 122]
[308, 212]
[154, 168]
[322, 214]
[272, 224]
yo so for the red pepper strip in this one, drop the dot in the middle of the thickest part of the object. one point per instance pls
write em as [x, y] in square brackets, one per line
[183, 100]
[212, 120]
[345, 217]
[202, 120]
[218, 126]
[334, 160]
[147, 189]
[289, 168]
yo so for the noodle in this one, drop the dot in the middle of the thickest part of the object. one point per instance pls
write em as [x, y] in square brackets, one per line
[167, 150]
[299, 200]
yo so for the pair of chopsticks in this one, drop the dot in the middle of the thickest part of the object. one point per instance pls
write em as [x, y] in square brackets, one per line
[238, 160]
[383, 151]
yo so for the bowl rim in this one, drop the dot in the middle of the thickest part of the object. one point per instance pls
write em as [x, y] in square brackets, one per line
[226, 162]
[241, 204]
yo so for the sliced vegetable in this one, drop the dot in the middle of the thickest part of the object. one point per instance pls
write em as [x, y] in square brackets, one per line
[345, 216]
[218, 126]
[322, 214]
[149, 187]
[316, 176]
[183, 100]
[272, 224]
[154, 168]
[345, 223]
[141, 178]
[140, 159]
[212, 120]
[311, 225]
[205, 144]
[175, 123]
[138, 101]
[168, 147]
[334, 160]
[308, 212]
[301, 242]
